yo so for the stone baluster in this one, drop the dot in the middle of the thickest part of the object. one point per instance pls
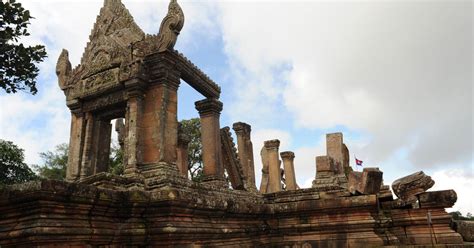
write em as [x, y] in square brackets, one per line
[290, 179]
[274, 175]
[209, 112]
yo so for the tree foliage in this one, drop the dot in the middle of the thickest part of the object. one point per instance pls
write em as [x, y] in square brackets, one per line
[116, 166]
[192, 129]
[17, 61]
[13, 169]
[55, 163]
[458, 216]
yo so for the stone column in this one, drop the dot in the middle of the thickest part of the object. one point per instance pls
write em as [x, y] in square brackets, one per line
[335, 150]
[245, 148]
[159, 136]
[274, 175]
[209, 111]
[182, 154]
[132, 153]
[86, 165]
[160, 123]
[102, 135]
[76, 142]
[264, 180]
[290, 178]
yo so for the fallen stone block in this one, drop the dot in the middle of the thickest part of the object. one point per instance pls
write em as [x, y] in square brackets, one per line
[433, 199]
[406, 188]
[369, 181]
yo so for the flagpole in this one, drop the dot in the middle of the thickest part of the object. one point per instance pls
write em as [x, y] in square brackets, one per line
[357, 169]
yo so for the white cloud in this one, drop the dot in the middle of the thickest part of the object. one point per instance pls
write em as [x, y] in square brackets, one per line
[399, 72]
[36, 124]
[461, 181]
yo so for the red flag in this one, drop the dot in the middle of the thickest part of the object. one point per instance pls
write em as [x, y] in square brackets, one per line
[359, 162]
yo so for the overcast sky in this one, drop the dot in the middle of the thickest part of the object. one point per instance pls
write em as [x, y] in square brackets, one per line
[394, 76]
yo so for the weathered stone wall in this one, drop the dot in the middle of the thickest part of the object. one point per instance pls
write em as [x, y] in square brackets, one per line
[48, 213]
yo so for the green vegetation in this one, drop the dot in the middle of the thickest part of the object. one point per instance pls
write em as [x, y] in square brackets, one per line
[55, 163]
[192, 129]
[458, 216]
[17, 61]
[13, 169]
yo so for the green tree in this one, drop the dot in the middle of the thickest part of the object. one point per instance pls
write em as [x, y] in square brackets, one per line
[55, 163]
[458, 216]
[13, 169]
[116, 160]
[192, 129]
[17, 61]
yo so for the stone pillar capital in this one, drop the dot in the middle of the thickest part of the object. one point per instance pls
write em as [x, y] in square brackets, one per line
[209, 106]
[287, 155]
[272, 144]
[241, 128]
[135, 88]
[162, 70]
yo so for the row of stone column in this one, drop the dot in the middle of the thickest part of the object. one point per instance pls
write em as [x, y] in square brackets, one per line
[209, 112]
[271, 172]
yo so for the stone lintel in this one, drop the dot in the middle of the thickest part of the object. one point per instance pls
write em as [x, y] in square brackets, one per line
[197, 79]
[287, 155]
[272, 144]
[241, 128]
[209, 106]
[436, 199]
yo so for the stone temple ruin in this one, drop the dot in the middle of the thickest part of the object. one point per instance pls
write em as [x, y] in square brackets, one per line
[127, 75]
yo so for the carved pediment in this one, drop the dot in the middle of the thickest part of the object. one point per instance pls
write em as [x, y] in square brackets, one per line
[109, 47]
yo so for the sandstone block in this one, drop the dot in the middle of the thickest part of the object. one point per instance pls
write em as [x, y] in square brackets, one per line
[466, 229]
[325, 163]
[406, 188]
[442, 198]
[368, 181]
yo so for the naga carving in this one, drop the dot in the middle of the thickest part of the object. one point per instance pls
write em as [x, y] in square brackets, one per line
[231, 161]
[63, 69]
[170, 27]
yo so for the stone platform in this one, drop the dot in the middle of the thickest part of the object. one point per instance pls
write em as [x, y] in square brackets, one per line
[62, 214]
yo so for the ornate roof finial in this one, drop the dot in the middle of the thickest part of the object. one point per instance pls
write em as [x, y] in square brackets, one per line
[63, 69]
[170, 27]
